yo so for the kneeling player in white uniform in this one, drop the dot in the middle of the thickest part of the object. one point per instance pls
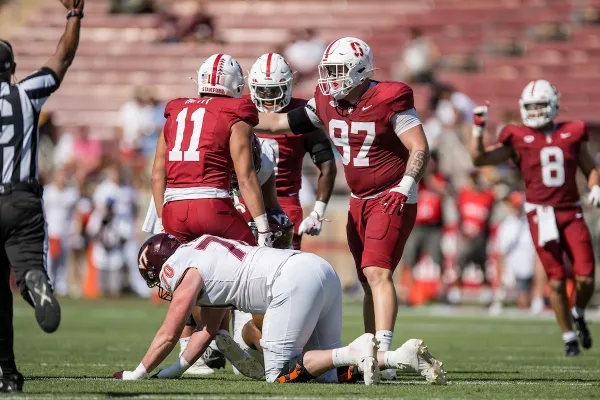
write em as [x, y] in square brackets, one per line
[300, 344]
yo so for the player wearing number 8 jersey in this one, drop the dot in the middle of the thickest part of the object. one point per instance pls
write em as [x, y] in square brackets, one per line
[203, 140]
[548, 155]
[377, 131]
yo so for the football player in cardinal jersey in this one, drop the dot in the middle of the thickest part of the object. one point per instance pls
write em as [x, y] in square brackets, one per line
[377, 131]
[299, 293]
[548, 155]
[203, 140]
[270, 82]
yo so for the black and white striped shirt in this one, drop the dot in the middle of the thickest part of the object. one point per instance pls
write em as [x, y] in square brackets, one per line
[20, 107]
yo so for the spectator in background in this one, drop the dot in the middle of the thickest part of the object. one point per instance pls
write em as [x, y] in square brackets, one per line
[136, 120]
[517, 257]
[186, 21]
[115, 210]
[426, 236]
[131, 6]
[474, 204]
[60, 201]
[454, 109]
[305, 53]
[77, 153]
[419, 60]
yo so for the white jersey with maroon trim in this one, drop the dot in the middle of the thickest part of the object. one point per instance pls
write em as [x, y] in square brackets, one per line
[233, 273]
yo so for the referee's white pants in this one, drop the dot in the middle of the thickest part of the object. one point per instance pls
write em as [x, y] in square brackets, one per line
[305, 313]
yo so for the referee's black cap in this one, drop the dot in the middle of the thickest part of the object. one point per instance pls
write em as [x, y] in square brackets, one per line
[7, 57]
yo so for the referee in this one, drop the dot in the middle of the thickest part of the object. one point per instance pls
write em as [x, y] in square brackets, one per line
[23, 237]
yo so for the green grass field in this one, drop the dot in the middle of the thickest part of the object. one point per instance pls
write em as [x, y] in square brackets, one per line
[485, 358]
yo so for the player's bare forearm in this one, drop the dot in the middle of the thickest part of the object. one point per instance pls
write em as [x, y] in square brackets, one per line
[184, 299]
[491, 155]
[328, 171]
[159, 175]
[272, 123]
[67, 46]
[415, 141]
[208, 326]
[252, 194]
[269, 193]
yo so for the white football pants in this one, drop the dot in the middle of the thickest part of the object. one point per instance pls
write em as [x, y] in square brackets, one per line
[305, 313]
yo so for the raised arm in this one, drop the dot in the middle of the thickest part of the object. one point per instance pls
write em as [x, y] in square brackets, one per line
[481, 155]
[590, 170]
[159, 174]
[67, 46]
[240, 146]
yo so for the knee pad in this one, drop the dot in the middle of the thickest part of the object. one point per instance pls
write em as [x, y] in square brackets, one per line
[295, 372]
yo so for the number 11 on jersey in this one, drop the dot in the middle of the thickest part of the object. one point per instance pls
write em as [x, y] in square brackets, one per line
[192, 153]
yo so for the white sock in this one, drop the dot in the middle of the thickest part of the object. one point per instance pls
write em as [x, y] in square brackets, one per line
[213, 345]
[386, 360]
[183, 342]
[578, 312]
[569, 336]
[385, 340]
[341, 357]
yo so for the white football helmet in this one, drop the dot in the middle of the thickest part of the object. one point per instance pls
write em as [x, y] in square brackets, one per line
[221, 74]
[539, 103]
[270, 82]
[346, 63]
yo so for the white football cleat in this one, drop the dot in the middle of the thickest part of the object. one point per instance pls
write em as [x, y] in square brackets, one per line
[197, 368]
[238, 357]
[413, 354]
[364, 351]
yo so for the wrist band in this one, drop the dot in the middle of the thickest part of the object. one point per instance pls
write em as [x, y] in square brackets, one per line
[320, 207]
[75, 13]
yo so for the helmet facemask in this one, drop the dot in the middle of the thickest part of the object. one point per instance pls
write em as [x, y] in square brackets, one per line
[271, 97]
[338, 79]
[536, 114]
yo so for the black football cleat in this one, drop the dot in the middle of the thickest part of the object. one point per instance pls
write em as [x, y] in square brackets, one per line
[214, 358]
[12, 383]
[572, 349]
[583, 333]
[47, 309]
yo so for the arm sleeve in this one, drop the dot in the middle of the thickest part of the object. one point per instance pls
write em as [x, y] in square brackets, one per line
[39, 86]
[318, 146]
[405, 120]
[304, 119]
[585, 136]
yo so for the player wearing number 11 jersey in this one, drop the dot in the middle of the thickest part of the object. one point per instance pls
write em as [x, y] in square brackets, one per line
[548, 155]
[203, 140]
[375, 128]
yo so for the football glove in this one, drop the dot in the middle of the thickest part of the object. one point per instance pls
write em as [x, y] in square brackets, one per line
[393, 202]
[265, 239]
[480, 114]
[311, 224]
[594, 196]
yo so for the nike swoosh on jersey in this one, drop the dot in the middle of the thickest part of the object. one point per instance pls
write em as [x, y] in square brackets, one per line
[565, 135]
[367, 107]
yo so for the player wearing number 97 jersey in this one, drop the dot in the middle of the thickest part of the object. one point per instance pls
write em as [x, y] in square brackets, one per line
[203, 140]
[548, 155]
[375, 128]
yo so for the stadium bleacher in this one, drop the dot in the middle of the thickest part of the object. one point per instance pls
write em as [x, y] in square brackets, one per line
[119, 52]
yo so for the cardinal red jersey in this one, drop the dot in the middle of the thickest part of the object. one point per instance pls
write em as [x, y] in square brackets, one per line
[374, 158]
[289, 152]
[474, 210]
[197, 133]
[548, 161]
[429, 211]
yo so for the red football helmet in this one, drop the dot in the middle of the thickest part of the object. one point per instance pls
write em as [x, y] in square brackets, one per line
[280, 225]
[256, 157]
[153, 254]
